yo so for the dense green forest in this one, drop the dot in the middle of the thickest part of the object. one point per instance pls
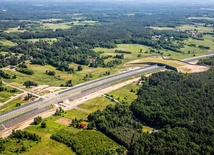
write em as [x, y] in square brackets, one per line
[180, 108]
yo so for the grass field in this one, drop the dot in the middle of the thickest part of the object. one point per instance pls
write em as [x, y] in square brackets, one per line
[7, 42]
[5, 95]
[49, 40]
[47, 145]
[151, 57]
[16, 29]
[11, 105]
[200, 28]
[134, 48]
[125, 94]
[98, 103]
[41, 78]
[52, 26]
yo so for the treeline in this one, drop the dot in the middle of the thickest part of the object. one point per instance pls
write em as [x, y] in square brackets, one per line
[25, 135]
[18, 142]
[209, 62]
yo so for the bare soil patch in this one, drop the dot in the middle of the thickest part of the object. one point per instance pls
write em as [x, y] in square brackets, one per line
[64, 121]
[192, 68]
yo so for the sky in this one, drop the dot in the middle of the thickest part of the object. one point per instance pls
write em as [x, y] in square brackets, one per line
[133, 1]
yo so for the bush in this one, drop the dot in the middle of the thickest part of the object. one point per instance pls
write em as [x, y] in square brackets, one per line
[37, 120]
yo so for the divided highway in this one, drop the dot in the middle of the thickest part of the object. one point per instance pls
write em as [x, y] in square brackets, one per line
[25, 112]
[74, 92]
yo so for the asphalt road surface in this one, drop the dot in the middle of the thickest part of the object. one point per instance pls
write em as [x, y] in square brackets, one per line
[79, 90]
[72, 92]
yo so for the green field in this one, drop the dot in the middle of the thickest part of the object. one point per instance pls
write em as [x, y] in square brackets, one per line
[5, 95]
[125, 94]
[151, 57]
[48, 145]
[7, 42]
[40, 77]
[11, 105]
[56, 26]
[15, 29]
[98, 103]
[134, 48]
[198, 27]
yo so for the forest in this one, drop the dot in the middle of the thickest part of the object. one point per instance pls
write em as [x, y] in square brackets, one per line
[178, 106]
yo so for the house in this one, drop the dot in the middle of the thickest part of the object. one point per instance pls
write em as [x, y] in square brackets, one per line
[82, 125]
